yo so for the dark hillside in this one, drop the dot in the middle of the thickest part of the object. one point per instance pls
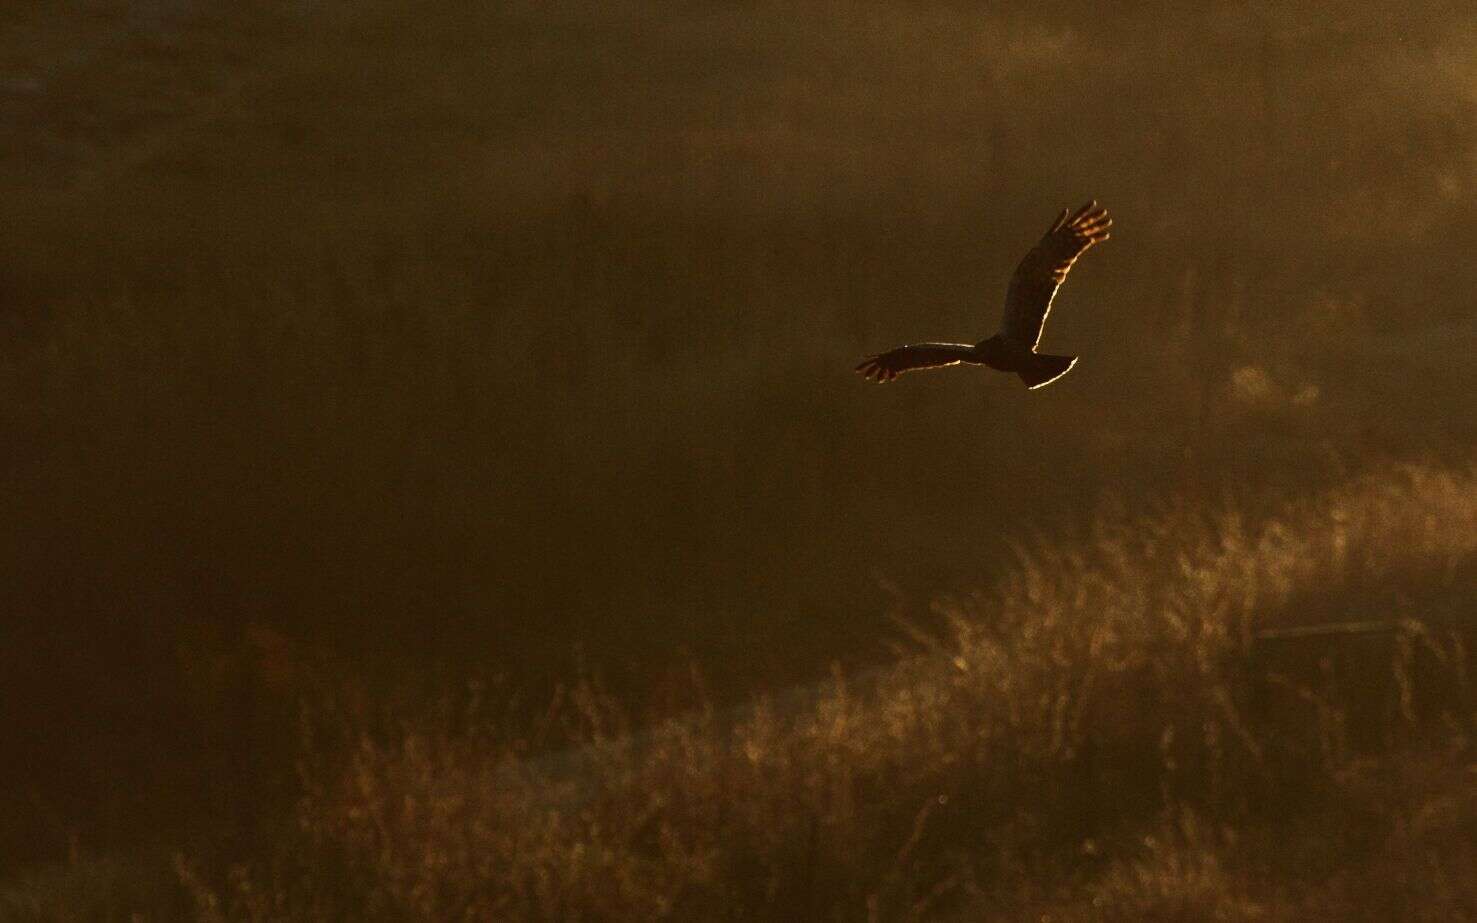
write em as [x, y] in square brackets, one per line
[408, 344]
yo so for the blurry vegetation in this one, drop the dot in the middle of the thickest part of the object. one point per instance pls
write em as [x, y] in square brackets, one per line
[1103, 734]
[347, 345]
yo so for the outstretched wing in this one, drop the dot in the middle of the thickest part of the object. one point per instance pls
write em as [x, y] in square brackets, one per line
[1041, 273]
[889, 365]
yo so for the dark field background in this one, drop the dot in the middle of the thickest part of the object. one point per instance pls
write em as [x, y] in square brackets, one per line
[356, 352]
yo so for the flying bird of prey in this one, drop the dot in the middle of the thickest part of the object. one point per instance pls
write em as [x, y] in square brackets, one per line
[1027, 302]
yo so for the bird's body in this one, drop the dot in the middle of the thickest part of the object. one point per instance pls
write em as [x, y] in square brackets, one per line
[1027, 302]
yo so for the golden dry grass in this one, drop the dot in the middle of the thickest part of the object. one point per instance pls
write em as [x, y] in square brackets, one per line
[1101, 737]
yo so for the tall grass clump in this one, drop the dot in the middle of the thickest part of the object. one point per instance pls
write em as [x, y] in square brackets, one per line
[1115, 726]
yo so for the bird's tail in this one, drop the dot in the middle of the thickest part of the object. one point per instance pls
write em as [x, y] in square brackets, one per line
[1043, 370]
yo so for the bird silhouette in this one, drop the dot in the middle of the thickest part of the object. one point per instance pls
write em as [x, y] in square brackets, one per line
[1027, 302]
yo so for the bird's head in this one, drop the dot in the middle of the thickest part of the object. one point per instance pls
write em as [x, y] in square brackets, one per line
[994, 350]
